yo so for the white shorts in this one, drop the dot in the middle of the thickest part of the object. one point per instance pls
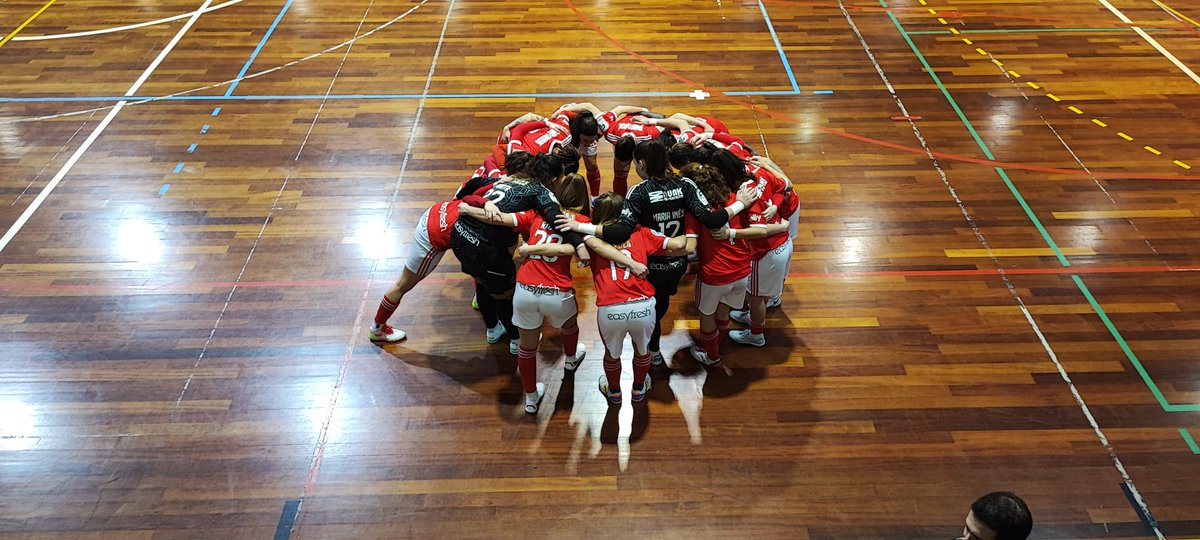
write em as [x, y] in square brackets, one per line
[794, 223]
[532, 305]
[767, 274]
[422, 258]
[730, 294]
[592, 149]
[634, 318]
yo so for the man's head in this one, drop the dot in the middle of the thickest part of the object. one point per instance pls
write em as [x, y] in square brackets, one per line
[998, 516]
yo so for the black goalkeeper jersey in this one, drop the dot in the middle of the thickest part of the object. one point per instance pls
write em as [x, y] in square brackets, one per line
[662, 205]
[510, 196]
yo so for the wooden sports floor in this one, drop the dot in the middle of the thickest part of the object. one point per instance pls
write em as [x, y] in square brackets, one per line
[996, 285]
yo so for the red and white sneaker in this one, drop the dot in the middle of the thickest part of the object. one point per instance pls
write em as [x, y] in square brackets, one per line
[386, 333]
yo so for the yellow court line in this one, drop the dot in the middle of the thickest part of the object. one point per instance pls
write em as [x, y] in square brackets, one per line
[1074, 109]
[1014, 74]
[1176, 13]
[1113, 214]
[26, 23]
[1122, 135]
[1099, 123]
[1033, 85]
[1182, 164]
[1152, 150]
[1016, 252]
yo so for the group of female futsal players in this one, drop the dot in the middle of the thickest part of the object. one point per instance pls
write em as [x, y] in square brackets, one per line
[703, 192]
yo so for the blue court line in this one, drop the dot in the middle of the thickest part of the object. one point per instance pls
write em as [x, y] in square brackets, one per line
[778, 46]
[179, 167]
[216, 111]
[204, 129]
[258, 49]
[393, 96]
[164, 189]
[192, 148]
[287, 520]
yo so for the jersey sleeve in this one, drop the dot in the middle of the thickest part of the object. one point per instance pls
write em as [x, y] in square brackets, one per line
[548, 207]
[655, 242]
[605, 120]
[521, 130]
[523, 222]
[691, 226]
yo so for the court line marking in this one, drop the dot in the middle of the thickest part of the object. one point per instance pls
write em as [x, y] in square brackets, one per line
[1176, 14]
[1187, 437]
[778, 46]
[1153, 42]
[8, 37]
[501, 95]
[915, 10]
[87, 143]
[852, 136]
[101, 31]
[356, 331]
[258, 49]
[1112, 453]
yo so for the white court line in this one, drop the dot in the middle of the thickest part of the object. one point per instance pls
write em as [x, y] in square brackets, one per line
[126, 27]
[87, 143]
[1153, 42]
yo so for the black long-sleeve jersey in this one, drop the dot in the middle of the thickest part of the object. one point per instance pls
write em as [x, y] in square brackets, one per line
[662, 205]
[510, 196]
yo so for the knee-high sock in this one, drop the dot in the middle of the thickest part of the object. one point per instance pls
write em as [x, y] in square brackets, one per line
[710, 344]
[385, 311]
[612, 371]
[570, 340]
[527, 365]
[661, 304]
[641, 366]
[593, 180]
[487, 306]
[504, 311]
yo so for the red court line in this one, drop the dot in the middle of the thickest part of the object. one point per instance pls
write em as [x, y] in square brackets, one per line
[450, 279]
[840, 133]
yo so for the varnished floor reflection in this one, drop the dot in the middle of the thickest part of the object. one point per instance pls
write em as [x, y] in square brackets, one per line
[182, 341]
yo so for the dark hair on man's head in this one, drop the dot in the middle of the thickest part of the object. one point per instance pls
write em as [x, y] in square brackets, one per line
[680, 154]
[517, 163]
[583, 123]
[623, 150]
[572, 193]
[607, 208]
[570, 158]
[545, 169]
[654, 155]
[1004, 513]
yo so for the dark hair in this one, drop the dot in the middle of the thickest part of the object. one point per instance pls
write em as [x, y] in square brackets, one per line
[731, 167]
[668, 138]
[569, 155]
[545, 169]
[654, 155]
[517, 163]
[704, 152]
[623, 150]
[709, 181]
[607, 208]
[572, 193]
[583, 123]
[1004, 513]
[680, 154]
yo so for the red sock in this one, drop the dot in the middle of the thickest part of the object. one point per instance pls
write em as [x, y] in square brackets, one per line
[593, 180]
[756, 328]
[527, 365]
[710, 344]
[722, 326]
[612, 371]
[570, 340]
[641, 366]
[385, 311]
[621, 182]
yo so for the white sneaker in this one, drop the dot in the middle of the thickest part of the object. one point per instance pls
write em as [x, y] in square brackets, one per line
[534, 399]
[774, 302]
[637, 396]
[573, 362]
[746, 338]
[495, 334]
[742, 316]
[386, 333]
[701, 356]
[514, 346]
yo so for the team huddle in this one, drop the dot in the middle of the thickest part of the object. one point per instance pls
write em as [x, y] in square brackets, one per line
[704, 193]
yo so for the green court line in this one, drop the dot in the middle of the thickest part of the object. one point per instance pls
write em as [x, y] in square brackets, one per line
[1137, 364]
[986, 152]
[1187, 437]
[1029, 30]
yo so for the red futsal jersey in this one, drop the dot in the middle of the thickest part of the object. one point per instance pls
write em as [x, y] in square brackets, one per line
[539, 270]
[626, 127]
[615, 284]
[770, 190]
[441, 219]
[722, 261]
